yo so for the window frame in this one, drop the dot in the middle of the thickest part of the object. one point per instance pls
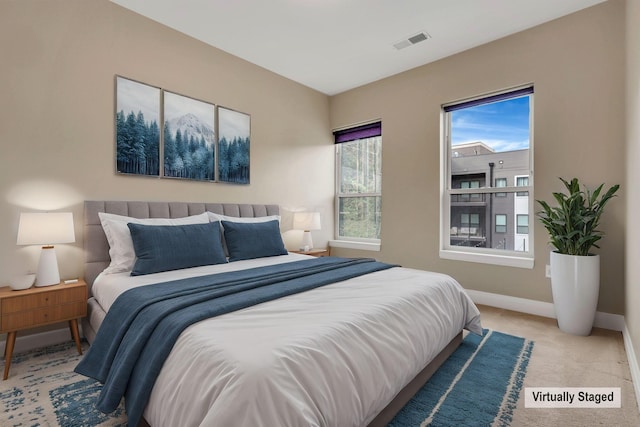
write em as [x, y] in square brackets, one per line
[472, 254]
[348, 241]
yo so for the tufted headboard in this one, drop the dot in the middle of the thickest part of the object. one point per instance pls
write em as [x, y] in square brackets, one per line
[96, 248]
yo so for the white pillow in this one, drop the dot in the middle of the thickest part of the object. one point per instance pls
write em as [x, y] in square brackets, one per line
[213, 217]
[121, 250]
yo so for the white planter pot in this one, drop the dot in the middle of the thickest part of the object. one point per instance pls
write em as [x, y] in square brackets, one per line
[575, 283]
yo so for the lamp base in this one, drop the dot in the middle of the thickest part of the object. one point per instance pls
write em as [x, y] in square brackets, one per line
[307, 241]
[48, 273]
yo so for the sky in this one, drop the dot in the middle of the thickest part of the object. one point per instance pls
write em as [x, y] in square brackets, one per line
[503, 126]
[134, 96]
[233, 124]
[176, 106]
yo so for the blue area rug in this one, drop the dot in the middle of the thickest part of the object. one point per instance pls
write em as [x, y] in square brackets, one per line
[42, 390]
[478, 385]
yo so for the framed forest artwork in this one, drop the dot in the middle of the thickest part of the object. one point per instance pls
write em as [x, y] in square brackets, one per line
[189, 138]
[137, 128]
[234, 132]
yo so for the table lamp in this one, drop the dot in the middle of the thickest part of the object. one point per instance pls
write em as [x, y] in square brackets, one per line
[46, 229]
[306, 221]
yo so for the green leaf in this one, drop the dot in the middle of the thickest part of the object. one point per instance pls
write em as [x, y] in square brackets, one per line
[572, 225]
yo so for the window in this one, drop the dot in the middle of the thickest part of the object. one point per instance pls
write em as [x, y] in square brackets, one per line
[359, 183]
[501, 182]
[522, 181]
[470, 219]
[501, 223]
[522, 223]
[487, 144]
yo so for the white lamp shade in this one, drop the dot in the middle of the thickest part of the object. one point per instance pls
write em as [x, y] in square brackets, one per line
[306, 221]
[45, 228]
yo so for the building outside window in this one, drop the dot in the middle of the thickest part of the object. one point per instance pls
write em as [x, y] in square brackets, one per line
[359, 183]
[487, 144]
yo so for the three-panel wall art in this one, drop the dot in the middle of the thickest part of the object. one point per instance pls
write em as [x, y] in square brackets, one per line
[165, 134]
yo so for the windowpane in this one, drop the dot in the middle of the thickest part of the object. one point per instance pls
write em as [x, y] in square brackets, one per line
[522, 224]
[501, 182]
[360, 166]
[360, 217]
[359, 187]
[522, 181]
[501, 223]
[488, 146]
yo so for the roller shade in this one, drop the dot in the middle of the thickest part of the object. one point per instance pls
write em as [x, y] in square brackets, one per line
[489, 99]
[365, 131]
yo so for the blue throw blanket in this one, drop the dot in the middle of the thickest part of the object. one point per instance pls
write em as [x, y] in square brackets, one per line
[143, 324]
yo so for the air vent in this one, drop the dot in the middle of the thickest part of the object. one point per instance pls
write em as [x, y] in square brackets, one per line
[410, 41]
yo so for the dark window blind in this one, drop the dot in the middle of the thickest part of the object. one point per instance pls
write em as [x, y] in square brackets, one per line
[489, 99]
[359, 132]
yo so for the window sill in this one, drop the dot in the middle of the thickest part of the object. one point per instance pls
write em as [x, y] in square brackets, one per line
[504, 260]
[348, 244]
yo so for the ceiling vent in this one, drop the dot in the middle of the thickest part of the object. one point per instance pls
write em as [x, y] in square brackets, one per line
[414, 39]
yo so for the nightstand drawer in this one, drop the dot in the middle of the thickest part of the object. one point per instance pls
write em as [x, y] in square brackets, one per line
[45, 299]
[42, 316]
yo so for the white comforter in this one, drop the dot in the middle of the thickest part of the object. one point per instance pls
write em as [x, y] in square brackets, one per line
[333, 356]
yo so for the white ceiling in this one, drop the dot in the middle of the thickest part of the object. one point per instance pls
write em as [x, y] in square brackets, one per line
[336, 45]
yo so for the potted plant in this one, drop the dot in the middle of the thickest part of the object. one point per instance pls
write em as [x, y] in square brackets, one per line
[575, 270]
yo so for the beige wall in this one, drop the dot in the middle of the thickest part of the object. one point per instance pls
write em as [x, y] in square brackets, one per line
[632, 288]
[577, 66]
[59, 59]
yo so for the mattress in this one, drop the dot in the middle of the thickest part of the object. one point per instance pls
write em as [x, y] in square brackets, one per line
[332, 356]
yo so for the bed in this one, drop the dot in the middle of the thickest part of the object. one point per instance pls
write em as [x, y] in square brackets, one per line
[347, 353]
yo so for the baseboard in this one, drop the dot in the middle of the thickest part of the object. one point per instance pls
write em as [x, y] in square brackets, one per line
[614, 322]
[633, 363]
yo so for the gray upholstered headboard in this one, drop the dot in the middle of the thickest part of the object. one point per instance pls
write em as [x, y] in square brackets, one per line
[96, 247]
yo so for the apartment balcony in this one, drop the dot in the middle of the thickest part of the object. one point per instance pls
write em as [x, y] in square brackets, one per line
[473, 199]
[467, 236]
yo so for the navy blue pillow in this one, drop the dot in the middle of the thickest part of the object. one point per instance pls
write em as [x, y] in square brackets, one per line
[172, 247]
[248, 240]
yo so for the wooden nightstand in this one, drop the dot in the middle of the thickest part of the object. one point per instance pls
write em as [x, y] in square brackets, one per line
[314, 252]
[38, 307]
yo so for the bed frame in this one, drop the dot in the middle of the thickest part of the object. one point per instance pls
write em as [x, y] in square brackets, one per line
[97, 259]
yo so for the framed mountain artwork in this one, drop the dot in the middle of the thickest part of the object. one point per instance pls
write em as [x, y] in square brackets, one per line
[189, 138]
[137, 118]
[234, 131]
